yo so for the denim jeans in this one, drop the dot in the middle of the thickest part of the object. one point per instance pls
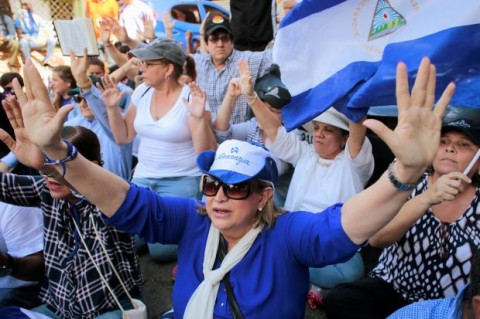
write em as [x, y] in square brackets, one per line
[114, 314]
[172, 186]
[43, 309]
[332, 275]
[25, 297]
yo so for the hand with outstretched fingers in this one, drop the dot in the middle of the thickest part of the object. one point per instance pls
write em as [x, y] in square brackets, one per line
[415, 140]
[43, 124]
[119, 31]
[198, 100]
[112, 96]
[105, 30]
[26, 152]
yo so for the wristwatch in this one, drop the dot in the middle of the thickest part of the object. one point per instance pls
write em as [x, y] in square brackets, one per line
[7, 268]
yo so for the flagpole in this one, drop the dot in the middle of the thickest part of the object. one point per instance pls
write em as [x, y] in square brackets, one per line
[472, 162]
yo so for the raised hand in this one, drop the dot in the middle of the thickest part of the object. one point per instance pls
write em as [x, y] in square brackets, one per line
[105, 30]
[198, 99]
[233, 89]
[415, 140]
[246, 81]
[148, 27]
[43, 124]
[119, 31]
[25, 151]
[79, 66]
[110, 92]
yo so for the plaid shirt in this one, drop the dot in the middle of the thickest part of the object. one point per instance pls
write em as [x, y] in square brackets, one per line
[215, 83]
[74, 288]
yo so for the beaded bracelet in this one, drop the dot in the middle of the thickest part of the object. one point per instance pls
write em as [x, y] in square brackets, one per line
[72, 153]
[396, 183]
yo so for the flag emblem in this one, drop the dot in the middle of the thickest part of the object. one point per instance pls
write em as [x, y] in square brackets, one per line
[385, 20]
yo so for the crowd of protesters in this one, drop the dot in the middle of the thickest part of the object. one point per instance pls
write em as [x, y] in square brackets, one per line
[184, 148]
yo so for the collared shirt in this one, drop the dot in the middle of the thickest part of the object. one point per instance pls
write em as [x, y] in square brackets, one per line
[215, 82]
[74, 288]
[446, 308]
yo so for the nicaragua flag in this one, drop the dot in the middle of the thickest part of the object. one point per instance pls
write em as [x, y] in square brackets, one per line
[344, 53]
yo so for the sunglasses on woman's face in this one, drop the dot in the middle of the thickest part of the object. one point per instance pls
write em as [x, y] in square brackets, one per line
[210, 187]
[77, 98]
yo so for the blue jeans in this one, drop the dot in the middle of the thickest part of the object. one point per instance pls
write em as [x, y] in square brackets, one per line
[43, 309]
[172, 186]
[25, 297]
[332, 275]
[114, 314]
[27, 46]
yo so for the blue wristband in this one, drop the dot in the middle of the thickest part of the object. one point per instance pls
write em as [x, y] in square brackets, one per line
[72, 153]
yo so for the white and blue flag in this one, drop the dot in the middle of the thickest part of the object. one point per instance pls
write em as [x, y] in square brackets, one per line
[344, 53]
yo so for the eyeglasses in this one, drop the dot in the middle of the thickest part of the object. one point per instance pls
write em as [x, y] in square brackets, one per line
[210, 187]
[77, 98]
[214, 39]
[146, 64]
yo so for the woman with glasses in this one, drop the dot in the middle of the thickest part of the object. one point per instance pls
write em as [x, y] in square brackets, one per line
[172, 122]
[429, 245]
[237, 252]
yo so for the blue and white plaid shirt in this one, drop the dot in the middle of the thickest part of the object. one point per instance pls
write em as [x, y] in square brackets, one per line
[446, 308]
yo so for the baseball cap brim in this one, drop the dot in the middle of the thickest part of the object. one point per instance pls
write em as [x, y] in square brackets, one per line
[334, 118]
[145, 54]
[217, 27]
[205, 161]
[466, 131]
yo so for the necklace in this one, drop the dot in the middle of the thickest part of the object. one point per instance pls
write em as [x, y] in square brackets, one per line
[156, 117]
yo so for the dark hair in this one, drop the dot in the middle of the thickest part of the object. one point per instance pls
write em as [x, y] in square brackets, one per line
[85, 141]
[96, 61]
[178, 70]
[189, 68]
[65, 73]
[8, 77]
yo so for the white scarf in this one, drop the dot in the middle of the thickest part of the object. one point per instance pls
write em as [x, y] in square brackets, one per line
[202, 302]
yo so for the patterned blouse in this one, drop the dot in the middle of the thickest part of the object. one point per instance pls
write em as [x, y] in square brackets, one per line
[74, 288]
[433, 259]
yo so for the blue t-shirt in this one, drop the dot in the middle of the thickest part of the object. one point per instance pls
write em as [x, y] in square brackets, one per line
[271, 279]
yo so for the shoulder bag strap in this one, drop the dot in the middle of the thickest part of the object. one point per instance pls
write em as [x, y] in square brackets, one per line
[221, 253]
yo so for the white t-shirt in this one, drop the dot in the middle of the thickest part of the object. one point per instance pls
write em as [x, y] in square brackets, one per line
[21, 234]
[166, 147]
[319, 183]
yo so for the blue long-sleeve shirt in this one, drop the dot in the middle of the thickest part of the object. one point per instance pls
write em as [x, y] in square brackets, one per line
[271, 279]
